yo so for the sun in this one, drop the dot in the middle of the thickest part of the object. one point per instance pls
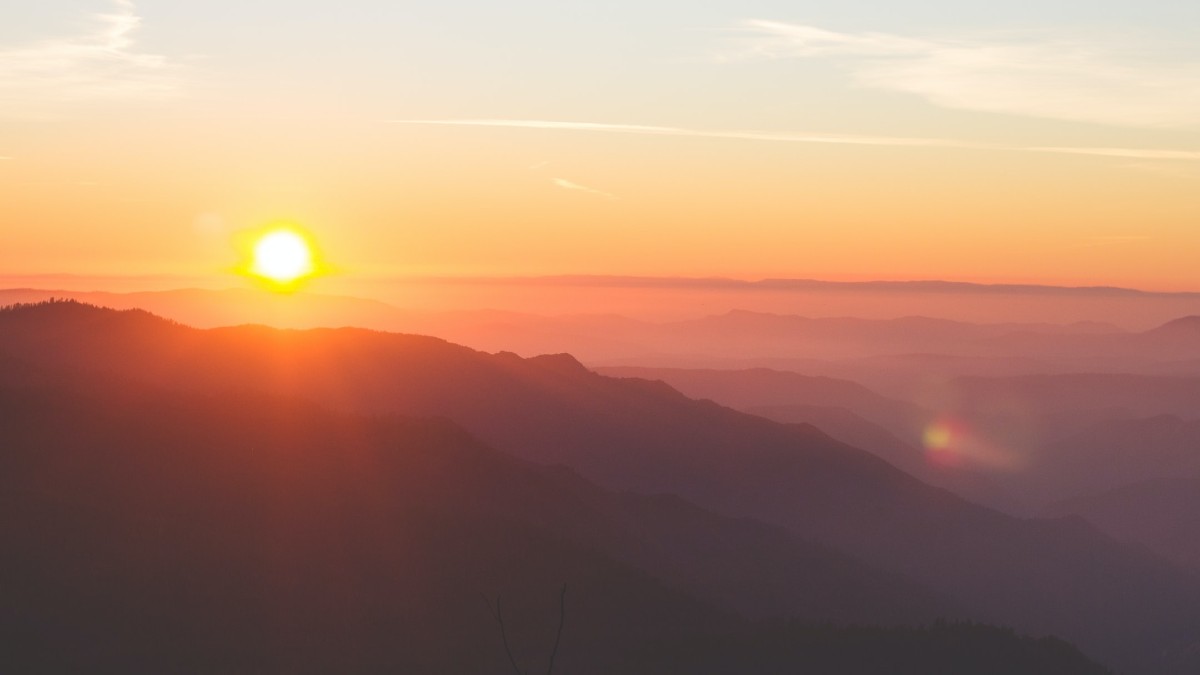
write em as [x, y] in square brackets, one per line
[282, 257]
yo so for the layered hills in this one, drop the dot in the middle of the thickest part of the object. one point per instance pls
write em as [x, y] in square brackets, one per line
[1040, 576]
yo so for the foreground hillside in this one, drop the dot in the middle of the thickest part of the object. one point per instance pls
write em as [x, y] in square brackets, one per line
[149, 531]
[1041, 576]
[941, 649]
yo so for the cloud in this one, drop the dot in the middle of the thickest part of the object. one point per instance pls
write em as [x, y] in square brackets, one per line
[640, 129]
[568, 185]
[886, 141]
[47, 78]
[1130, 153]
[1172, 170]
[1032, 76]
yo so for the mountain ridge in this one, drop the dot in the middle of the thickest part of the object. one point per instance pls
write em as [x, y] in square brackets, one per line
[630, 434]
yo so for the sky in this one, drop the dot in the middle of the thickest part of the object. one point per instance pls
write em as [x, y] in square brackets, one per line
[1052, 142]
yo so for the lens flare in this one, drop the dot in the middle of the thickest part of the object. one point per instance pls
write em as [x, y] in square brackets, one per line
[944, 440]
[954, 442]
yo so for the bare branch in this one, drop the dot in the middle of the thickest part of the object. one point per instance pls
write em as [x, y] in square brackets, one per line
[496, 612]
[562, 616]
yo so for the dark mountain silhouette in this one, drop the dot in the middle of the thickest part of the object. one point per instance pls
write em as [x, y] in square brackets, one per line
[850, 428]
[897, 376]
[846, 410]
[734, 334]
[897, 356]
[747, 332]
[1116, 452]
[888, 428]
[846, 426]
[1133, 478]
[1136, 395]
[176, 533]
[152, 533]
[1161, 513]
[1072, 434]
[1120, 352]
[941, 649]
[1042, 576]
[758, 387]
[1185, 328]
[931, 285]
[910, 375]
[208, 308]
[946, 347]
[170, 532]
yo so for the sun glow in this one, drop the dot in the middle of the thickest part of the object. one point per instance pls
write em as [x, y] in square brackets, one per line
[282, 257]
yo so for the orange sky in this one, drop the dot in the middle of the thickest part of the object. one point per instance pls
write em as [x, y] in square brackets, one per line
[707, 160]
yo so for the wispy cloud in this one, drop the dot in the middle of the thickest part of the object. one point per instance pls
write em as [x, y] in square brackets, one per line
[46, 78]
[645, 130]
[677, 131]
[887, 141]
[568, 185]
[1172, 169]
[1129, 153]
[1033, 76]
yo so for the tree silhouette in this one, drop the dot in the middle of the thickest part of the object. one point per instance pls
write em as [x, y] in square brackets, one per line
[498, 613]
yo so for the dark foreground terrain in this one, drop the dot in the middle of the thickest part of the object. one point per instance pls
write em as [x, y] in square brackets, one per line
[187, 501]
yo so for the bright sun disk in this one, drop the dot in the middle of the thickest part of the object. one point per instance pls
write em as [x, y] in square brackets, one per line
[282, 256]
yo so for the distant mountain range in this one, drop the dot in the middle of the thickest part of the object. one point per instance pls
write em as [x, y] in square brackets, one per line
[1161, 513]
[1041, 576]
[888, 428]
[643, 282]
[907, 350]
[1066, 435]
[923, 285]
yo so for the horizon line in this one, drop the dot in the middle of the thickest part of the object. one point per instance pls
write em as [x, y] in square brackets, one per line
[715, 282]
